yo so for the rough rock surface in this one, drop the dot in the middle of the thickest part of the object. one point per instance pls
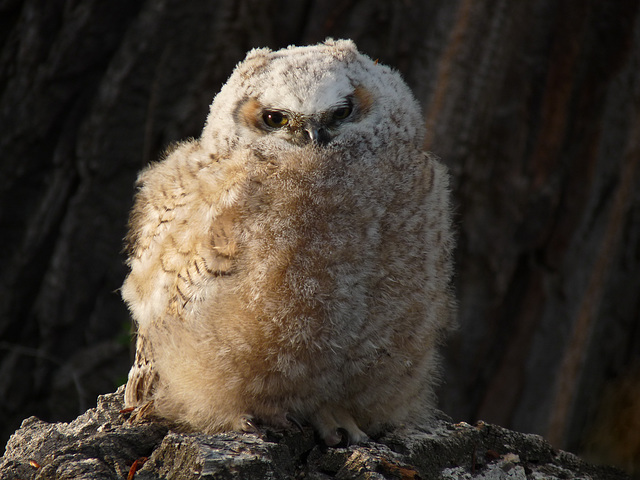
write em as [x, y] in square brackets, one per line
[103, 444]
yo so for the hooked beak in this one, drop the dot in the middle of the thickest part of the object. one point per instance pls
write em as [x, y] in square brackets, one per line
[317, 133]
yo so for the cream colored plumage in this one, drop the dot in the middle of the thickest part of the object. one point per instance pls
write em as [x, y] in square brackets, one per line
[294, 262]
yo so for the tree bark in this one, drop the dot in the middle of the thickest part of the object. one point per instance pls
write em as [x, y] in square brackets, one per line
[534, 105]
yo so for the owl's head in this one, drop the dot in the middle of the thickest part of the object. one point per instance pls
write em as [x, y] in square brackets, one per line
[329, 95]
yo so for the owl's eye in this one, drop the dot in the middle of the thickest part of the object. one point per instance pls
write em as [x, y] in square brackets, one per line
[341, 113]
[275, 119]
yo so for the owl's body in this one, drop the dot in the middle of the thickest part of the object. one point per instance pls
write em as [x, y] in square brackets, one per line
[294, 262]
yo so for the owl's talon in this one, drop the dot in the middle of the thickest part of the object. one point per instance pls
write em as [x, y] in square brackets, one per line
[248, 425]
[344, 437]
[291, 419]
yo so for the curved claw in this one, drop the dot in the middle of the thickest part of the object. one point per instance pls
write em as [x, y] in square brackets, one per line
[291, 419]
[248, 425]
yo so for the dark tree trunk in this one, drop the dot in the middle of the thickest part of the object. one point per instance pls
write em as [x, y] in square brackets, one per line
[534, 105]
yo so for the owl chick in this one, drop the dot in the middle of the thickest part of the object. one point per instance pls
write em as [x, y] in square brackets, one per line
[294, 262]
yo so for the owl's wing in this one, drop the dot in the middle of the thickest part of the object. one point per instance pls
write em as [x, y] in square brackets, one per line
[142, 376]
[180, 242]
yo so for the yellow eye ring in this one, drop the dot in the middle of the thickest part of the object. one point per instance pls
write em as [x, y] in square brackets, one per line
[275, 119]
[341, 113]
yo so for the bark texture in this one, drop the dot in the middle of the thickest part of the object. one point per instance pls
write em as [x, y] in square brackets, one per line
[534, 105]
[103, 444]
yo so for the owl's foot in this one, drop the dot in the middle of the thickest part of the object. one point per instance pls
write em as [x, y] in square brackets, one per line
[250, 424]
[336, 426]
[294, 421]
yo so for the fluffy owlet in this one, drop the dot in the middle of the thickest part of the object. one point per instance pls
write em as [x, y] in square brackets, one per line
[294, 262]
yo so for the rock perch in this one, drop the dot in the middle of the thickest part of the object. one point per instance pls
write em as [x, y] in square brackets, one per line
[103, 444]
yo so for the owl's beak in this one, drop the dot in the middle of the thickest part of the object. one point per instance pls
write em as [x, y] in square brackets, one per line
[317, 133]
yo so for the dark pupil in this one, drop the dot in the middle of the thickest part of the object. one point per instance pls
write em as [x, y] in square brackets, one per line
[342, 112]
[274, 118]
